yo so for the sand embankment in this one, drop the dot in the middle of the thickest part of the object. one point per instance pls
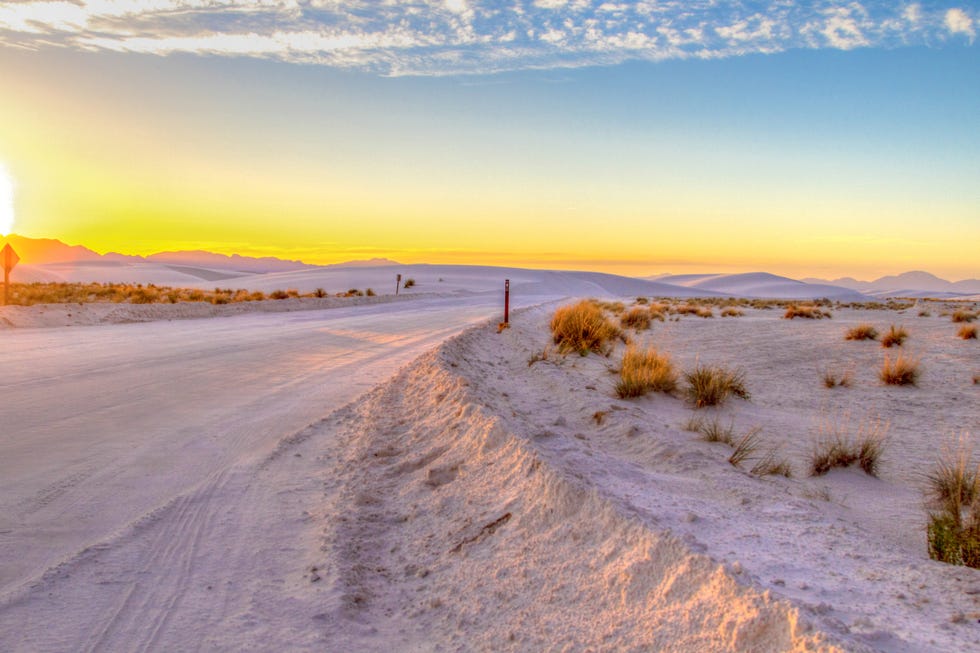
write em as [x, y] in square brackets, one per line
[469, 522]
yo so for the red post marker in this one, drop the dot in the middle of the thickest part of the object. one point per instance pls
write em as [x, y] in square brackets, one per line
[10, 259]
[506, 301]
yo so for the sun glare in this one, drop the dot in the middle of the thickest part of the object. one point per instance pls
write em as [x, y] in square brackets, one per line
[6, 201]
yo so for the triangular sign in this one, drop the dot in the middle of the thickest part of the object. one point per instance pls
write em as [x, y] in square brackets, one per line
[10, 258]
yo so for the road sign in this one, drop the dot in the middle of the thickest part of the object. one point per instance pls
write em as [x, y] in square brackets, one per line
[10, 259]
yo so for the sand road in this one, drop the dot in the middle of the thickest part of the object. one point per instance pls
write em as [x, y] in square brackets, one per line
[102, 426]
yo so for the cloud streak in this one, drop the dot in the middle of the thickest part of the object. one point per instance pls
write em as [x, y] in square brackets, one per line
[433, 37]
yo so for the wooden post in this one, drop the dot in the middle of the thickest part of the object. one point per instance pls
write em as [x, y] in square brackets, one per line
[398, 282]
[506, 301]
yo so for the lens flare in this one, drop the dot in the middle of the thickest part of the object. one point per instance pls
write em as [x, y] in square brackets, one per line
[6, 201]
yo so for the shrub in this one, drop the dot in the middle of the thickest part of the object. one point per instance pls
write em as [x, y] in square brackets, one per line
[278, 294]
[731, 311]
[861, 332]
[967, 332]
[902, 370]
[894, 337]
[408, 283]
[636, 318]
[319, 292]
[582, 327]
[953, 531]
[964, 316]
[645, 371]
[370, 293]
[711, 385]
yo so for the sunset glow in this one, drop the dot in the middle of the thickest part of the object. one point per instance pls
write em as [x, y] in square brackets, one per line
[830, 142]
[6, 201]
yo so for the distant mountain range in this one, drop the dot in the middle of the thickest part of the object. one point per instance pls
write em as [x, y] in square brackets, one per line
[46, 251]
[48, 259]
[906, 284]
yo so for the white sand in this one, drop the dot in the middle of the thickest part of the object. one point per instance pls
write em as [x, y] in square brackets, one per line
[160, 490]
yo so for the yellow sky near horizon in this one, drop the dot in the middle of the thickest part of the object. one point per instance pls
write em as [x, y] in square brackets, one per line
[128, 170]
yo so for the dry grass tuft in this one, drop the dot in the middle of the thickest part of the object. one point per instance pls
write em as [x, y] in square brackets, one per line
[744, 447]
[644, 371]
[837, 450]
[636, 318]
[770, 465]
[967, 332]
[731, 311]
[894, 337]
[832, 379]
[861, 332]
[901, 370]
[953, 489]
[713, 431]
[964, 316]
[807, 311]
[711, 385]
[582, 327]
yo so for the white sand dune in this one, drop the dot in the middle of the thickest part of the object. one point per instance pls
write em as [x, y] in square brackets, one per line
[762, 285]
[105, 271]
[466, 279]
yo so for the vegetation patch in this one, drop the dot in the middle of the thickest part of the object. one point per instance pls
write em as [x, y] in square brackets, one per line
[967, 332]
[894, 337]
[643, 371]
[712, 385]
[964, 316]
[582, 328]
[901, 370]
[861, 332]
[864, 450]
[636, 318]
[953, 529]
[808, 311]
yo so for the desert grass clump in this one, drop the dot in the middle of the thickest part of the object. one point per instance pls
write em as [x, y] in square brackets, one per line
[731, 311]
[964, 316]
[861, 332]
[408, 283]
[744, 447]
[643, 371]
[582, 328]
[636, 318]
[807, 311]
[711, 385]
[864, 450]
[953, 490]
[714, 431]
[894, 337]
[770, 465]
[967, 332]
[832, 379]
[901, 370]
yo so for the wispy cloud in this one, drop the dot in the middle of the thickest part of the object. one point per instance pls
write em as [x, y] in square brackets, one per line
[431, 37]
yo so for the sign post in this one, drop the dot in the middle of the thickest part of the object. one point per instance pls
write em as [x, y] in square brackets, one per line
[398, 283]
[506, 301]
[10, 259]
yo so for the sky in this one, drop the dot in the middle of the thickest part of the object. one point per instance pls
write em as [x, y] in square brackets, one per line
[818, 139]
